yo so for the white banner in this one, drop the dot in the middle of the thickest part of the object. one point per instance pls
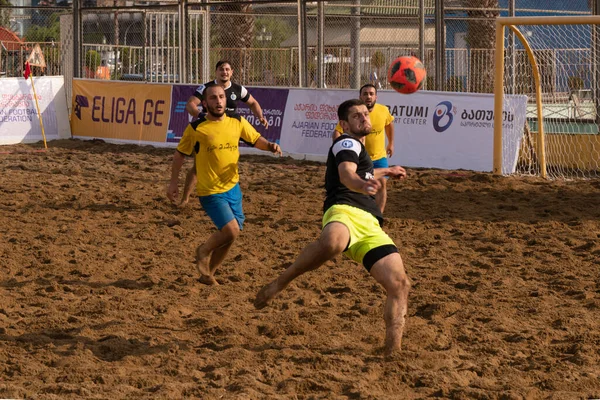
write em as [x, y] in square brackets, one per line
[432, 129]
[309, 120]
[19, 121]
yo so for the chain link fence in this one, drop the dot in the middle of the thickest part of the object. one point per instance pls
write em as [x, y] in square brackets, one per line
[331, 45]
[23, 27]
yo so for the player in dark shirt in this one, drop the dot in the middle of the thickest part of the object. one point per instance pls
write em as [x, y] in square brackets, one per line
[234, 93]
[352, 224]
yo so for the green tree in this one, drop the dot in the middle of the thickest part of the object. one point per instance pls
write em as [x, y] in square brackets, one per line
[234, 28]
[5, 14]
[92, 61]
[38, 33]
[132, 61]
[481, 38]
[279, 30]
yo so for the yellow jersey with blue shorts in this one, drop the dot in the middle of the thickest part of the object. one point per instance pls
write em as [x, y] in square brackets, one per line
[375, 141]
[215, 145]
[358, 212]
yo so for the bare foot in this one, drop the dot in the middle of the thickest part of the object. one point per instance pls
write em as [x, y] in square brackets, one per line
[183, 202]
[393, 343]
[266, 294]
[208, 280]
[392, 353]
[202, 261]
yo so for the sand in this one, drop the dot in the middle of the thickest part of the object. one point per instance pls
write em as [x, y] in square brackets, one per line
[99, 297]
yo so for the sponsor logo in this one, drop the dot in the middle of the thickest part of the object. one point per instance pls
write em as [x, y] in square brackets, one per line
[80, 101]
[180, 106]
[347, 144]
[443, 115]
[121, 110]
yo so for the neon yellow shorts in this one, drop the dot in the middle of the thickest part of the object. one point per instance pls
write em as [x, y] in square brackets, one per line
[368, 242]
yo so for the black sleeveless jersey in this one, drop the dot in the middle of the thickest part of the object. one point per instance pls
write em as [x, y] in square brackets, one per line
[347, 148]
[234, 93]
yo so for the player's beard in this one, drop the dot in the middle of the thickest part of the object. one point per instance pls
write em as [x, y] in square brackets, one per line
[370, 107]
[362, 132]
[214, 112]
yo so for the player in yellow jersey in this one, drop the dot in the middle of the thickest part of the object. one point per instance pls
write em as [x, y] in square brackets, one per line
[382, 121]
[234, 92]
[213, 140]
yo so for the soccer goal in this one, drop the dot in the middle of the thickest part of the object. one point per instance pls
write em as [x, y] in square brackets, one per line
[555, 62]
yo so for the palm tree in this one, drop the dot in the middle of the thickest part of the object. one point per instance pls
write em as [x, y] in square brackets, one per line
[481, 40]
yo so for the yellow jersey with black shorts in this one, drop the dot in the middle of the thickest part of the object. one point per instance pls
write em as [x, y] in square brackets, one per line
[215, 145]
[358, 212]
[375, 141]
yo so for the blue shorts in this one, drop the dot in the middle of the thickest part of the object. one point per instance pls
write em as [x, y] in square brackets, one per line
[222, 208]
[381, 163]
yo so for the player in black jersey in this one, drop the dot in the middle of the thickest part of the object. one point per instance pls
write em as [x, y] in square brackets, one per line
[234, 93]
[352, 223]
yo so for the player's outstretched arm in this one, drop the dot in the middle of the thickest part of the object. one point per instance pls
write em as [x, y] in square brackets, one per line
[264, 144]
[389, 133]
[354, 182]
[257, 111]
[173, 188]
[395, 171]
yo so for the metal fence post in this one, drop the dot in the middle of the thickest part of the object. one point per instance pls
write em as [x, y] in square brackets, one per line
[77, 39]
[183, 48]
[302, 45]
[440, 45]
[355, 45]
[422, 30]
[320, 45]
[595, 51]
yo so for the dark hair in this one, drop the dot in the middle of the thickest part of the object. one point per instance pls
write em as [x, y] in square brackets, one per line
[345, 107]
[221, 62]
[366, 85]
[208, 85]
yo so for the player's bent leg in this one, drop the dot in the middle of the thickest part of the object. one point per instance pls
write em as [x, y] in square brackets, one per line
[211, 253]
[333, 241]
[230, 232]
[389, 272]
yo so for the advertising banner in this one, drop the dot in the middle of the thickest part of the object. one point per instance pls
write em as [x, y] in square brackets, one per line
[180, 118]
[310, 118]
[452, 130]
[19, 120]
[272, 102]
[127, 112]
[432, 129]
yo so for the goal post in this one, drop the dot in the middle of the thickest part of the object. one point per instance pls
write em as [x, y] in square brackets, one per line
[556, 63]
